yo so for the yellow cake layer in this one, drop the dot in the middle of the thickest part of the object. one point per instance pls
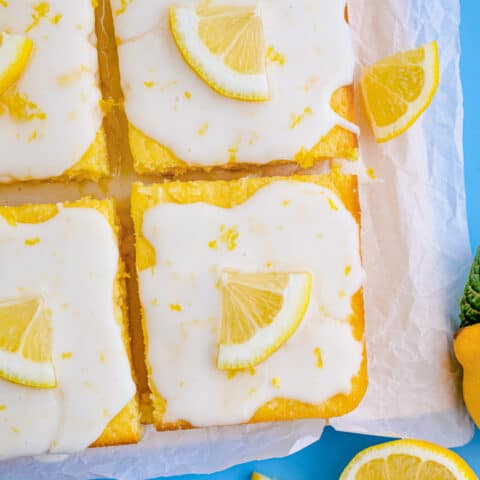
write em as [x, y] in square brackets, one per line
[227, 194]
[150, 157]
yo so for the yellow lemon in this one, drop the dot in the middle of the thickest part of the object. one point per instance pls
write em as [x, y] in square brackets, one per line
[15, 52]
[225, 46]
[407, 460]
[259, 476]
[398, 89]
[26, 343]
[260, 311]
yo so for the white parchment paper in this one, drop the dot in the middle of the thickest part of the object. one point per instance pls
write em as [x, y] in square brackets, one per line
[416, 253]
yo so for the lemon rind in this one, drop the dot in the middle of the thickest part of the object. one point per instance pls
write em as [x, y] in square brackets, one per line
[26, 372]
[19, 59]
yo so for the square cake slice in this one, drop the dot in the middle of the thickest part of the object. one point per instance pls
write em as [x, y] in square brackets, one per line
[252, 299]
[50, 117]
[179, 119]
[65, 376]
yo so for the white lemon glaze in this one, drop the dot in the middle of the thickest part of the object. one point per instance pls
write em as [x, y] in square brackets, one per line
[179, 110]
[73, 267]
[284, 226]
[61, 79]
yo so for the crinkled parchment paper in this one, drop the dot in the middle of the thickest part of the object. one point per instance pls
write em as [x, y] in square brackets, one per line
[416, 255]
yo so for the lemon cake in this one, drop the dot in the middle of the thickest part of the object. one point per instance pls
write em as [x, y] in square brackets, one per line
[232, 84]
[65, 377]
[252, 301]
[50, 116]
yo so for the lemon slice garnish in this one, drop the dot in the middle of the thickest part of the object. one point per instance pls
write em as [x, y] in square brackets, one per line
[260, 311]
[259, 476]
[398, 89]
[407, 460]
[26, 343]
[15, 52]
[225, 46]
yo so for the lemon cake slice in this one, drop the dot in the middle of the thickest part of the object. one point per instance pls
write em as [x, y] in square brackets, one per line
[235, 83]
[50, 116]
[252, 299]
[65, 377]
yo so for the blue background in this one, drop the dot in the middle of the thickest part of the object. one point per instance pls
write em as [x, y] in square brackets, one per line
[326, 458]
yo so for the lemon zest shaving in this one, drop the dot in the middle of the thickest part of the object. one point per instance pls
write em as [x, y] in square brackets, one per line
[40, 11]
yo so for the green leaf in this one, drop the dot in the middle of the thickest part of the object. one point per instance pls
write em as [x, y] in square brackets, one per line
[470, 304]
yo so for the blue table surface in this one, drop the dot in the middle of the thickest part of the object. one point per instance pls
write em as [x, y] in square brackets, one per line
[326, 458]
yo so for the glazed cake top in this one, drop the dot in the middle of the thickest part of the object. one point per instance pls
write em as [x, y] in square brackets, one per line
[49, 119]
[285, 225]
[311, 57]
[71, 262]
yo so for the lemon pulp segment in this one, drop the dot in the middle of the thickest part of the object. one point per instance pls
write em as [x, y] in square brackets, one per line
[399, 88]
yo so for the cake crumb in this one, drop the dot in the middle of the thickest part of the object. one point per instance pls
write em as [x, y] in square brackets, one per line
[66, 355]
[56, 19]
[33, 136]
[40, 10]
[123, 7]
[332, 204]
[273, 56]
[318, 356]
[175, 307]
[297, 119]
[32, 241]
[229, 237]
[203, 129]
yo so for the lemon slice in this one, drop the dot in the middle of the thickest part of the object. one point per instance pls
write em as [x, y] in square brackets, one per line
[260, 313]
[225, 46]
[15, 52]
[398, 89]
[26, 343]
[407, 460]
[259, 476]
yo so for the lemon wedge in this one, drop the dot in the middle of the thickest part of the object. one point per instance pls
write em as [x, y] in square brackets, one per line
[259, 476]
[398, 89]
[407, 460]
[225, 46]
[260, 311]
[26, 343]
[15, 52]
